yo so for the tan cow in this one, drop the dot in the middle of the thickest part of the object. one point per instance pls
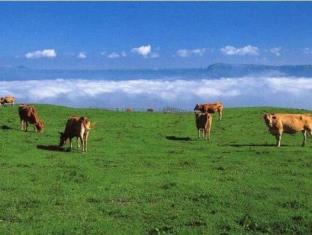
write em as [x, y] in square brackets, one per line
[76, 127]
[28, 114]
[210, 108]
[279, 123]
[203, 123]
[7, 100]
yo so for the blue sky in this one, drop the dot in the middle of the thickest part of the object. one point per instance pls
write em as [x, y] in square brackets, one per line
[154, 35]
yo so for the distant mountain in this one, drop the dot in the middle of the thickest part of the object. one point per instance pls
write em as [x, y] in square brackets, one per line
[239, 70]
[213, 71]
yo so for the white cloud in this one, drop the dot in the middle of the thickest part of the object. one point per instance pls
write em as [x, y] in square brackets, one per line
[82, 55]
[184, 53]
[247, 50]
[244, 91]
[276, 51]
[144, 50]
[45, 53]
[307, 51]
[115, 55]
[199, 51]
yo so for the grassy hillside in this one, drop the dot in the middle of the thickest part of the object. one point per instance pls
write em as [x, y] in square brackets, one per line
[146, 173]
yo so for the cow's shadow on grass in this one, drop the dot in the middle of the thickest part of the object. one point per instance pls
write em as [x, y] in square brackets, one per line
[55, 148]
[251, 145]
[5, 127]
[172, 137]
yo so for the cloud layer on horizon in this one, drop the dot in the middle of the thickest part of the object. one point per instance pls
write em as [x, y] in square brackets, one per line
[246, 91]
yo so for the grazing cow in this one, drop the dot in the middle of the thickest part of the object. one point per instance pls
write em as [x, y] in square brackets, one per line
[203, 123]
[129, 109]
[76, 127]
[150, 110]
[279, 123]
[210, 108]
[7, 100]
[28, 114]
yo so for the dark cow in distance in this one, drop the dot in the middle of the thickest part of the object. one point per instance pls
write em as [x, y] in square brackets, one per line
[210, 108]
[78, 127]
[29, 115]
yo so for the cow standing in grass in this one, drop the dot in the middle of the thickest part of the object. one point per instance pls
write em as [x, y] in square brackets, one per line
[78, 127]
[279, 123]
[203, 124]
[7, 100]
[29, 115]
[210, 108]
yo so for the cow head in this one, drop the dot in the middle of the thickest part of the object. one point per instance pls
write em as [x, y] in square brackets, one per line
[62, 139]
[198, 108]
[269, 118]
[39, 126]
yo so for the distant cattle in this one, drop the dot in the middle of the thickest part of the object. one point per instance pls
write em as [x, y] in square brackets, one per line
[7, 100]
[129, 109]
[203, 123]
[29, 115]
[279, 123]
[210, 108]
[78, 127]
[150, 110]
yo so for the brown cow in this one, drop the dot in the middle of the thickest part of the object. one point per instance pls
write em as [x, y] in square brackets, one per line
[28, 114]
[7, 100]
[203, 123]
[76, 127]
[279, 123]
[210, 108]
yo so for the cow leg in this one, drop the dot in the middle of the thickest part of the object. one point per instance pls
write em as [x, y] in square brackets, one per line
[209, 134]
[278, 140]
[26, 125]
[86, 140]
[70, 143]
[82, 143]
[304, 132]
[206, 134]
[220, 114]
[22, 125]
[78, 145]
[198, 133]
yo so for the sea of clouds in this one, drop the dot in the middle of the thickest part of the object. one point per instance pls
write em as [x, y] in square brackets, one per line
[293, 92]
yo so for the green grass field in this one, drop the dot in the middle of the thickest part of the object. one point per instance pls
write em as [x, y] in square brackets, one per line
[147, 173]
